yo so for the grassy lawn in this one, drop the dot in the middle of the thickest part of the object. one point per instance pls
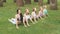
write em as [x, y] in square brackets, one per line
[50, 25]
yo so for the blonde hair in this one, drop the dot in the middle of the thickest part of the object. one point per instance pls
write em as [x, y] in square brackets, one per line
[27, 10]
[44, 6]
[34, 9]
[41, 8]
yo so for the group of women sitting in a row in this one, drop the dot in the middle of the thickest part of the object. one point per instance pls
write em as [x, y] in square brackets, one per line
[33, 17]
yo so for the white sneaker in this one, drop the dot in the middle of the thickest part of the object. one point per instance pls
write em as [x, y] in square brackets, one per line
[12, 21]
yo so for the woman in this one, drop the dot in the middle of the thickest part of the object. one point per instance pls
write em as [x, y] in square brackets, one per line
[40, 14]
[34, 15]
[18, 18]
[26, 18]
[45, 10]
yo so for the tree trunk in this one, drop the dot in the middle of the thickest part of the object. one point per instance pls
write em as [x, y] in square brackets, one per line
[1, 3]
[40, 2]
[27, 1]
[20, 3]
[4, 0]
[35, 0]
[53, 4]
[14, 0]
[48, 1]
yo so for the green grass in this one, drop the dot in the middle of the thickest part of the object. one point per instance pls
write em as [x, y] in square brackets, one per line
[50, 25]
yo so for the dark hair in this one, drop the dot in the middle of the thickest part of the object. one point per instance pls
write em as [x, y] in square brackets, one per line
[18, 10]
[33, 9]
[21, 17]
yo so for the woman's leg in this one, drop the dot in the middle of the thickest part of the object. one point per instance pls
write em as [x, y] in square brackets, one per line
[32, 20]
[17, 24]
[24, 20]
[35, 19]
[27, 22]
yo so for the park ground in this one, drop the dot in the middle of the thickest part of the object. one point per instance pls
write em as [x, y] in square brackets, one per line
[50, 25]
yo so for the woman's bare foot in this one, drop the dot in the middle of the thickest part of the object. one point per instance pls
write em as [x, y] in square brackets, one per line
[36, 22]
[28, 24]
[33, 23]
[17, 27]
[25, 25]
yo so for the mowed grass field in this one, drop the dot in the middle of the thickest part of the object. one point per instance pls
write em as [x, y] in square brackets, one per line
[50, 25]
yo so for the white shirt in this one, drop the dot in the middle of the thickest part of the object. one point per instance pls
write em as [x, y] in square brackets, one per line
[27, 16]
[33, 14]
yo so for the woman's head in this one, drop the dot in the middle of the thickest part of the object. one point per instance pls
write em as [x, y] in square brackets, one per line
[41, 8]
[44, 6]
[18, 11]
[34, 9]
[27, 11]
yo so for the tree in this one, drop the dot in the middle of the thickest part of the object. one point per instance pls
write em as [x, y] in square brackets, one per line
[4, 0]
[1, 3]
[48, 2]
[35, 0]
[53, 4]
[40, 2]
[19, 3]
[14, 0]
[27, 1]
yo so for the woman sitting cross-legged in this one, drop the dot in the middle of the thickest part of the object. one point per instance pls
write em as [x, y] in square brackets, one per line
[18, 18]
[26, 18]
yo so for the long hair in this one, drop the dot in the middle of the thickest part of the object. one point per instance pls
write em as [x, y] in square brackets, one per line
[21, 17]
[17, 11]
